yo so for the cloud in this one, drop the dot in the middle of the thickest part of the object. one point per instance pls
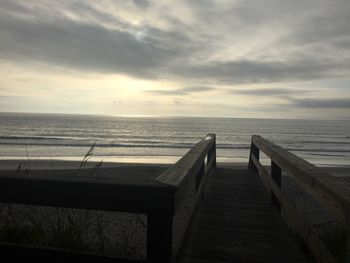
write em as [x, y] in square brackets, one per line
[142, 3]
[79, 45]
[193, 89]
[327, 23]
[231, 42]
[5, 98]
[268, 91]
[237, 72]
[181, 91]
[339, 103]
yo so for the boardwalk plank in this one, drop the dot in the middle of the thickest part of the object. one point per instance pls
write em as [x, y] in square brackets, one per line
[235, 222]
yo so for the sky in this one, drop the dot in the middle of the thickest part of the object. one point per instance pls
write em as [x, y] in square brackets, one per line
[220, 58]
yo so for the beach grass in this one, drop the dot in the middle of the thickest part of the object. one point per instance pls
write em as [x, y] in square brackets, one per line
[101, 232]
[116, 234]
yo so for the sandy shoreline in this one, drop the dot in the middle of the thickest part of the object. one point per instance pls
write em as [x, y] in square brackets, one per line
[141, 169]
[40, 164]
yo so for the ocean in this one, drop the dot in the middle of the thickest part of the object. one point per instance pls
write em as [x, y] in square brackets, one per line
[165, 140]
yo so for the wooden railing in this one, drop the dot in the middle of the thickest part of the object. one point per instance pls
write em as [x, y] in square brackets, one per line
[190, 173]
[159, 200]
[334, 196]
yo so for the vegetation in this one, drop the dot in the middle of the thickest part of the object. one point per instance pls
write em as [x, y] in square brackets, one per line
[118, 234]
[108, 233]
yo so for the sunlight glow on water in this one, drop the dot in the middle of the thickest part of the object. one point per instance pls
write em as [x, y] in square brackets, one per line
[165, 139]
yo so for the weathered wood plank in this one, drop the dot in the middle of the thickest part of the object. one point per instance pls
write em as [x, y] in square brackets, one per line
[86, 194]
[190, 163]
[321, 185]
[239, 230]
[257, 234]
[307, 232]
[190, 171]
[190, 174]
[186, 223]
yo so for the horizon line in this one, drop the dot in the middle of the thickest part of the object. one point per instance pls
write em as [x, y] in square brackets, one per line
[167, 116]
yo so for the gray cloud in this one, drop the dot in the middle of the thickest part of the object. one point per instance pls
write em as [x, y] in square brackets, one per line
[142, 3]
[191, 89]
[265, 72]
[79, 45]
[316, 32]
[90, 12]
[339, 103]
[323, 26]
[267, 92]
[181, 91]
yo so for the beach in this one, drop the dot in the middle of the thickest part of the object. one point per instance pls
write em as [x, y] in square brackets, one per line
[129, 230]
[121, 169]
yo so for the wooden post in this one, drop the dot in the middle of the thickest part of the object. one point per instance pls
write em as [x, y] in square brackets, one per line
[276, 174]
[212, 151]
[254, 151]
[159, 237]
[213, 155]
[199, 177]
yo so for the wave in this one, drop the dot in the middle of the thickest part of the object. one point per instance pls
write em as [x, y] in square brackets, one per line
[144, 143]
[110, 137]
[80, 144]
[125, 145]
[329, 155]
[317, 142]
[31, 138]
[318, 150]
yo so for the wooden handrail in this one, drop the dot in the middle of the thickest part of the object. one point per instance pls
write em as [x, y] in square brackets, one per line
[158, 199]
[314, 180]
[333, 196]
[153, 199]
[86, 193]
[181, 176]
[190, 174]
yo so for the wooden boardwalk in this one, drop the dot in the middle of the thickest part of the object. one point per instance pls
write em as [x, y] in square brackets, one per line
[235, 222]
[234, 219]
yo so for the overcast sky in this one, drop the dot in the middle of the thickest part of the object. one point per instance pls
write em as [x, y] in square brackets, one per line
[248, 58]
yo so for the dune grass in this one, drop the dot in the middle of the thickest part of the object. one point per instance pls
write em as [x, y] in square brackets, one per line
[107, 233]
[117, 234]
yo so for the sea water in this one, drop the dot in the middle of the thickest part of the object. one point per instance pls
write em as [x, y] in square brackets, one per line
[146, 139]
